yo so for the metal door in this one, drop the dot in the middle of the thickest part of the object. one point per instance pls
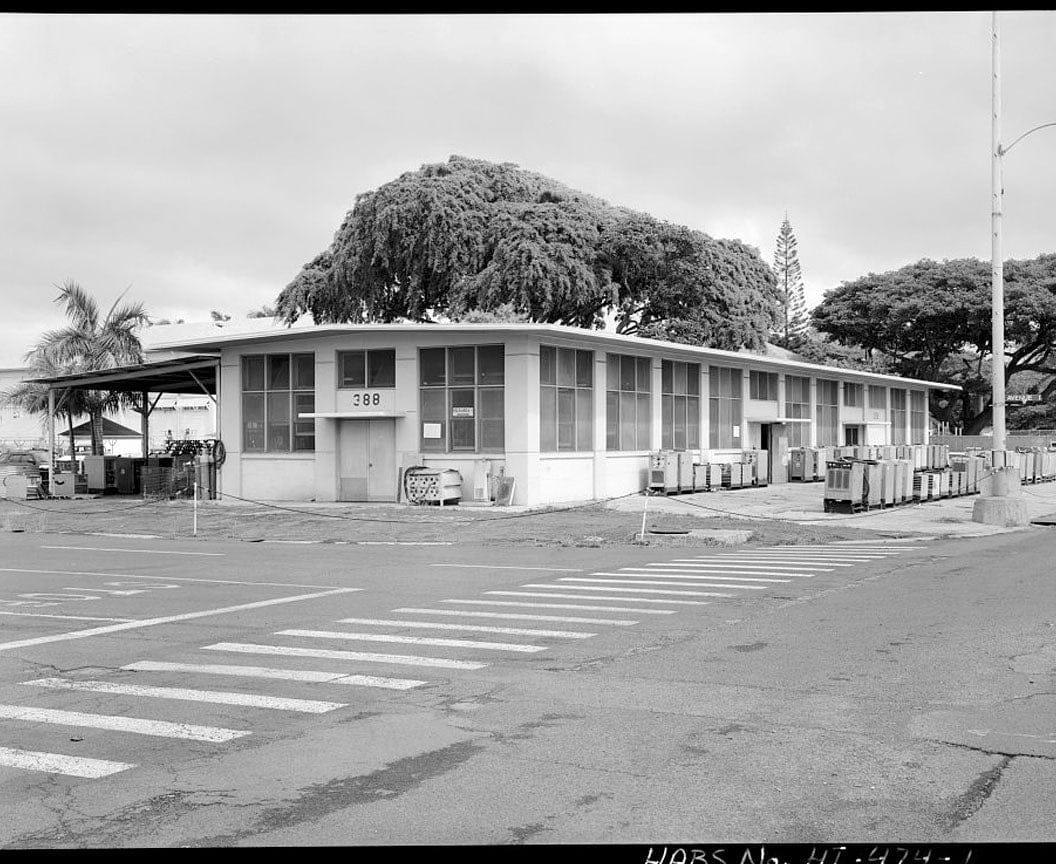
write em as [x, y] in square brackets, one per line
[367, 460]
[778, 452]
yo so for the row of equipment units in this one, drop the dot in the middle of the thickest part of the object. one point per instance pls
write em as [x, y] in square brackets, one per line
[674, 471]
[809, 464]
[861, 484]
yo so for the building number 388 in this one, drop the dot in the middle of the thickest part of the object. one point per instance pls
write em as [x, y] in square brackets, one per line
[365, 399]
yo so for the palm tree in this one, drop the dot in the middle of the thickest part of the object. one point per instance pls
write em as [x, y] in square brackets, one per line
[92, 343]
[33, 398]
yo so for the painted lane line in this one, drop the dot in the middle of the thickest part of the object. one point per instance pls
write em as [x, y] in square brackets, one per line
[168, 619]
[164, 578]
[414, 640]
[635, 590]
[753, 570]
[64, 617]
[805, 550]
[396, 659]
[136, 725]
[246, 700]
[885, 549]
[705, 574]
[732, 565]
[563, 606]
[137, 551]
[56, 763]
[581, 597]
[497, 567]
[710, 577]
[780, 563]
[774, 556]
[475, 628]
[309, 675]
[519, 616]
[670, 584]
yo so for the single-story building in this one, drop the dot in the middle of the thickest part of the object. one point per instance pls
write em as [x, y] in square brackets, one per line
[337, 412]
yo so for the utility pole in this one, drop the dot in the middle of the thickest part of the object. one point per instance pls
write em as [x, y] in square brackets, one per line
[997, 315]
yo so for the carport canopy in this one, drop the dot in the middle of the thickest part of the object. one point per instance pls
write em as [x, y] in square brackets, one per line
[195, 373]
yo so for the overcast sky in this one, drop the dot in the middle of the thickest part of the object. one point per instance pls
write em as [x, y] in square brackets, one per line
[203, 160]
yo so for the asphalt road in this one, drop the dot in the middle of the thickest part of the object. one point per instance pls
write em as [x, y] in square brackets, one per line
[837, 694]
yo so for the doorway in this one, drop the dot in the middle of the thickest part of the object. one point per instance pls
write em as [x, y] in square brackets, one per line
[851, 436]
[367, 460]
[773, 438]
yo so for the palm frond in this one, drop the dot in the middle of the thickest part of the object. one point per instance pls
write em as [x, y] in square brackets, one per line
[80, 306]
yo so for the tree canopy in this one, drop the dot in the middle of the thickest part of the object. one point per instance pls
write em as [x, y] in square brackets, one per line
[931, 320]
[792, 325]
[469, 235]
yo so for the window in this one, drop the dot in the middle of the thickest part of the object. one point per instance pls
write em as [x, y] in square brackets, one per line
[877, 398]
[462, 398]
[917, 401]
[724, 407]
[276, 390]
[566, 399]
[797, 405]
[762, 385]
[898, 416]
[679, 405]
[827, 413]
[366, 369]
[852, 395]
[628, 402]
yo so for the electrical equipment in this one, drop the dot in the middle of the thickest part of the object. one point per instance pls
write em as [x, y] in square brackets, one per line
[844, 485]
[762, 468]
[797, 464]
[872, 484]
[733, 475]
[707, 477]
[888, 472]
[432, 485]
[663, 471]
[685, 471]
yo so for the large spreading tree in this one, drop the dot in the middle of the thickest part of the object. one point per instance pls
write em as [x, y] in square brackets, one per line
[931, 320]
[469, 236]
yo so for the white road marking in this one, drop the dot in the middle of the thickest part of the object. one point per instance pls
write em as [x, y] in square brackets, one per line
[475, 628]
[504, 567]
[397, 659]
[635, 590]
[310, 675]
[672, 584]
[414, 640]
[137, 551]
[163, 578]
[247, 700]
[63, 617]
[137, 725]
[57, 763]
[692, 574]
[581, 597]
[731, 565]
[802, 556]
[168, 619]
[805, 546]
[826, 566]
[519, 616]
[564, 606]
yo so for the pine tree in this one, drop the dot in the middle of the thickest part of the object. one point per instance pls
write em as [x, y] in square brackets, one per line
[793, 301]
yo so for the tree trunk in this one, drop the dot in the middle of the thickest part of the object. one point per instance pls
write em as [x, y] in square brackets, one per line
[979, 421]
[97, 432]
[73, 449]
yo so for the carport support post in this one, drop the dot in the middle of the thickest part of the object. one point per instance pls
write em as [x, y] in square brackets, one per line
[144, 422]
[196, 508]
[51, 441]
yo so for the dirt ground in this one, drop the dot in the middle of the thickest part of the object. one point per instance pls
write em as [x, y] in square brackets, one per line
[585, 525]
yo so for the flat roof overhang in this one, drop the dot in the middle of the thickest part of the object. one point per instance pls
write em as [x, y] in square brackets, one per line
[351, 415]
[195, 374]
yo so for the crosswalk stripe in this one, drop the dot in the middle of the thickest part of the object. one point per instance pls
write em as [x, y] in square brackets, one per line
[700, 577]
[63, 617]
[672, 584]
[58, 763]
[184, 694]
[136, 725]
[397, 659]
[803, 547]
[781, 556]
[634, 590]
[581, 597]
[310, 675]
[508, 567]
[415, 640]
[780, 563]
[518, 616]
[563, 606]
[734, 566]
[473, 628]
[137, 551]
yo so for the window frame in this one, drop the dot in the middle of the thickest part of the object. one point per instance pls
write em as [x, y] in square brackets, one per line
[679, 393]
[365, 353]
[559, 387]
[620, 396]
[448, 391]
[298, 438]
[717, 407]
[757, 377]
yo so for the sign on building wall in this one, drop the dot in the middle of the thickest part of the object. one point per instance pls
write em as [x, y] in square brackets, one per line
[367, 401]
